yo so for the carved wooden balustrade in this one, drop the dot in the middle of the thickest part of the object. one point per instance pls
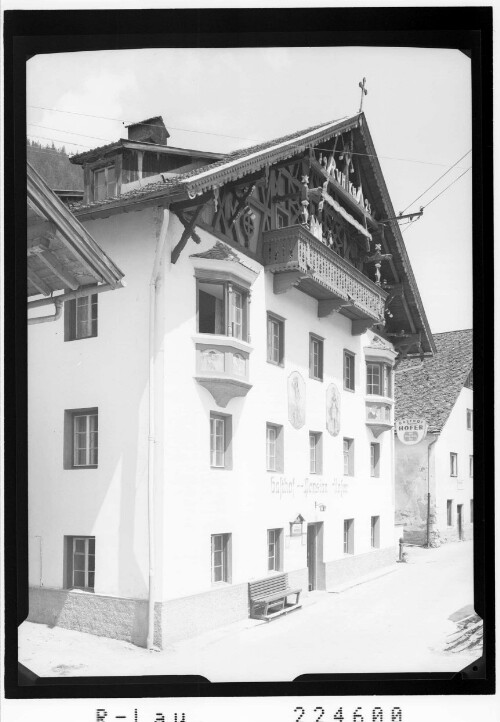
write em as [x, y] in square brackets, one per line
[297, 258]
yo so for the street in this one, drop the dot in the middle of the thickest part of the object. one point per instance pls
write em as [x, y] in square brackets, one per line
[396, 622]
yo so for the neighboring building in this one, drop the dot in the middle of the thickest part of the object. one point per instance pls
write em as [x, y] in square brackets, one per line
[439, 390]
[231, 418]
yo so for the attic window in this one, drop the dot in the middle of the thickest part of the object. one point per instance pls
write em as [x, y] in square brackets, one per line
[104, 183]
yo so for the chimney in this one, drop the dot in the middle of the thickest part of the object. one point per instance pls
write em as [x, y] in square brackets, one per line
[151, 130]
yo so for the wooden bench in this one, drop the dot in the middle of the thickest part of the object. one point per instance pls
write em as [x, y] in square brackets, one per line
[269, 597]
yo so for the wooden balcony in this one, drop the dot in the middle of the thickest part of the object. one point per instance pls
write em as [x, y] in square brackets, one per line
[298, 259]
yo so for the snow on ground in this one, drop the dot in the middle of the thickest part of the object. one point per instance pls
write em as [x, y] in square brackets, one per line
[397, 622]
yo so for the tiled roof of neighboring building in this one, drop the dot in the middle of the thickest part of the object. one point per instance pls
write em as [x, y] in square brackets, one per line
[429, 389]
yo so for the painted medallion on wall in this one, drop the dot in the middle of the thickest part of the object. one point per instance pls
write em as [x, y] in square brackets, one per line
[333, 410]
[296, 400]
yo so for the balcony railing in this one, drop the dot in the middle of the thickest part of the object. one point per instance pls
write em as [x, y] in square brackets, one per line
[297, 255]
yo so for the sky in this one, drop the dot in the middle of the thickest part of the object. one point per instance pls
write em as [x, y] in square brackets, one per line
[418, 109]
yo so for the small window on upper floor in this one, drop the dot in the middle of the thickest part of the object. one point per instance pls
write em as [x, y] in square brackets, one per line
[453, 464]
[349, 371]
[275, 340]
[105, 183]
[315, 357]
[282, 218]
[469, 419]
[80, 318]
[222, 309]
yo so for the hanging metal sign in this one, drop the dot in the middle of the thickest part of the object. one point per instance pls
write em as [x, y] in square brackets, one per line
[411, 431]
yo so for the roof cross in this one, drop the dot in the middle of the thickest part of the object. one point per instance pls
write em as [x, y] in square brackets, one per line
[363, 92]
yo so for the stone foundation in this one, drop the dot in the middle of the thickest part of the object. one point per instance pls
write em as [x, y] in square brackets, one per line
[104, 616]
[353, 566]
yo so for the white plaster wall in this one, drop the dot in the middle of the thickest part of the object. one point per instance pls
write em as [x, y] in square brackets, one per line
[200, 502]
[110, 372]
[455, 437]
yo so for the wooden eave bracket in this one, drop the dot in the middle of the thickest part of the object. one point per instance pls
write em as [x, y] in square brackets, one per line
[285, 280]
[331, 305]
[189, 232]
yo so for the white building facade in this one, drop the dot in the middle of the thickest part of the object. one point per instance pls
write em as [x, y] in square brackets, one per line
[435, 478]
[227, 415]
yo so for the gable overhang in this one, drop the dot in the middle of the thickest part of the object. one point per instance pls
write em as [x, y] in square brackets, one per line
[237, 168]
[411, 306]
[61, 254]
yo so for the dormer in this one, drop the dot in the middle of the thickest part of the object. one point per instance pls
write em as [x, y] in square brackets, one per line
[136, 161]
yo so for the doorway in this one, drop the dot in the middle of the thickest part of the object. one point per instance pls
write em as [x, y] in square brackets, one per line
[315, 554]
[460, 521]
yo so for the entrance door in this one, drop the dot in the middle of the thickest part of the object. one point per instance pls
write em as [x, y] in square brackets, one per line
[460, 521]
[314, 553]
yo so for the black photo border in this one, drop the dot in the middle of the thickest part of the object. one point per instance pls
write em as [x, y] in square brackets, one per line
[27, 33]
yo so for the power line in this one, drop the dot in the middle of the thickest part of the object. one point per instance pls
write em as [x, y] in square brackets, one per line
[386, 157]
[436, 181]
[71, 132]
[439, 194]
[448, 186]
[44, 150]
[58, 140]
[121, 120]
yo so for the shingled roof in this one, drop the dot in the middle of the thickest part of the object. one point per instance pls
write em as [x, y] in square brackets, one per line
[233, 163]
[429, 389]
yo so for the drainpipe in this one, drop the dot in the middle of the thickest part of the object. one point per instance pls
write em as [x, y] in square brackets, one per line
[151, 431]
[429, 490]
[43, 319]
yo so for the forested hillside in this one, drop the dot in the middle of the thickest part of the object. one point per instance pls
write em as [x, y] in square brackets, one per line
[53, 165]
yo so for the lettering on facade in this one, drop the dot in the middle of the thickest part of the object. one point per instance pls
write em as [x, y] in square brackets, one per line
[411, 431]
[282, 486]
[333, 410]
[296, 400]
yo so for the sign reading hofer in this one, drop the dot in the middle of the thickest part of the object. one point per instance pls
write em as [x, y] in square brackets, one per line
[411, 431]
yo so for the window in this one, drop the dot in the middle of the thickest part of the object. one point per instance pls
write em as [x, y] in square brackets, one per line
[222, 309]
[348, 457]
[449, 512]
[221, 558]
[374, 460]
[275, 340]
[453, 464]
[469, 419]
[348, 371]
[315, 452]
[80, 318]
[104, 183]
[348, 536]
[472, 511]
[282, 218]
[81, 431]
[274, 447]
[80, 562]
[220, 441]
[375, 532]
[471, 466]
[378, 379]
[274, 554]
[469, 380]
[315, 357]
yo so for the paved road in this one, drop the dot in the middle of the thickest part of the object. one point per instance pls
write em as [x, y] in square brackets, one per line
[397, 622]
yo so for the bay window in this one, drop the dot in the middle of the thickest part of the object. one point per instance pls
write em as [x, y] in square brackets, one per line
[378, 379]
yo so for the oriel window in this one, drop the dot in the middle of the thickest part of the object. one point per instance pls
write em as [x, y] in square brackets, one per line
[222, 309]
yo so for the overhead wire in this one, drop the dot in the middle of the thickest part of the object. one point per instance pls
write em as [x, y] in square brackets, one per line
[436, 181]
[437, 196]
[123, 121]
